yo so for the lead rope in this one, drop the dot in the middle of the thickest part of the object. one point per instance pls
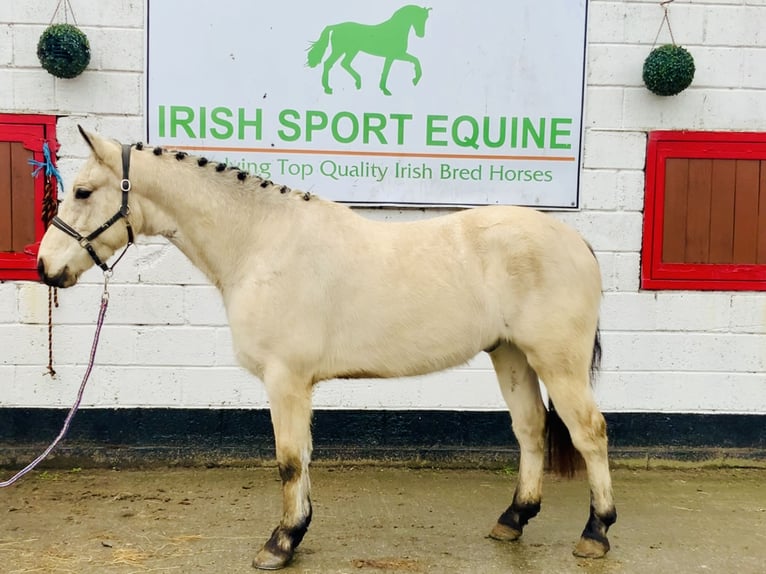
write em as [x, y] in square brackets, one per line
[50, 173]
[75, 406]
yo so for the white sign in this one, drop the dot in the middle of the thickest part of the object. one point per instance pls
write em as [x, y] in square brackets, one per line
[462, 103]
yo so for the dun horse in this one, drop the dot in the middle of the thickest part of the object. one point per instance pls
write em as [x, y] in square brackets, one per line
[388, 40]
[314, 291]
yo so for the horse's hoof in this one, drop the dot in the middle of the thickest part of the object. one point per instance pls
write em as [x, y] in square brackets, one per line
[590, 548]
[386, 92]
[328, 91]
[504, 533]
[415, 81]
[267, 560]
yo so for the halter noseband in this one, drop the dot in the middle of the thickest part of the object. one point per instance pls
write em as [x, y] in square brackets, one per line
[122, 213]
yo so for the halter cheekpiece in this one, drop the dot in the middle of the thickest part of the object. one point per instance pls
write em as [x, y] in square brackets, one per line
[122, 213]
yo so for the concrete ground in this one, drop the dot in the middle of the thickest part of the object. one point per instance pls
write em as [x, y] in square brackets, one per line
[374, 520]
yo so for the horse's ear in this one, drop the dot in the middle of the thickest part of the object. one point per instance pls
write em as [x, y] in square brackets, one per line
[103, 149]
[86, 136]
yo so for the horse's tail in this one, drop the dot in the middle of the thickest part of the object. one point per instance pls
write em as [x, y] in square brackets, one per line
[317, 49]
[563, 458]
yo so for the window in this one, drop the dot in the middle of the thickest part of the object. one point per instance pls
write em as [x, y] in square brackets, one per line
[705, 211]
[21, 196]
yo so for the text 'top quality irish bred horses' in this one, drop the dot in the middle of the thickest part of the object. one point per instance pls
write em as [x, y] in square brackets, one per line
[314, 291]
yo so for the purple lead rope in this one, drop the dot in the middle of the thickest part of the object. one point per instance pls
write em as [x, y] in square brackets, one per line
[75, 406]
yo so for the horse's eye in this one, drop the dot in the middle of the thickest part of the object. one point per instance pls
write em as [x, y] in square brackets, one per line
[82, 193]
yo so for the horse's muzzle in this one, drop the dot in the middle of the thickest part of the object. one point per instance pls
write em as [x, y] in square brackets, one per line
[61, 279]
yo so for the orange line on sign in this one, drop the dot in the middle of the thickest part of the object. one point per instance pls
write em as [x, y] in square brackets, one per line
[377, 153]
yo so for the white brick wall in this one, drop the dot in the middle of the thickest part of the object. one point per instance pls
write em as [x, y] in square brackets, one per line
[166, 342]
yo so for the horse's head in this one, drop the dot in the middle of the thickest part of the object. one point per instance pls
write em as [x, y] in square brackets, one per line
[414, 16]
[419, 23]
[95, 199]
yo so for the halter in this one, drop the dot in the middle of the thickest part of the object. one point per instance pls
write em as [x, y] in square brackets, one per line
[122, 213]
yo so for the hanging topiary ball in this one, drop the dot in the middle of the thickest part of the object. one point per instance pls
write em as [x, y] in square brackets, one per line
[668, 70]
[63, 50]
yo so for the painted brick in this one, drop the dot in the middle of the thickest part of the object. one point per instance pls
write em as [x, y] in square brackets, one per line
[25, 38]
[219, 387]
[72, 344]
[695, 109]
[34, 388]
[166, 346]
[163, 263]
[752, 63]
[658, 351]
[128, 305]
[8, 303]
[690, 311]
[7, 83]
[33, 91]
[140, 386]
[607, 231]
[126, 129]
[101, 93]
[598, 189]
[604, 106]
[646, 111]
[612, 190]
[166, 343]
[717, 67]
[630, 190]
[626, 271]
[116, 49]
[32, 303]
[616, 64]
[614, 149]
[224, 348]
[735, 26]
[628, 312]
[748, 313]
[6, 44]
[681, 392]
[23, 345]
[644, 20]
[203, 306]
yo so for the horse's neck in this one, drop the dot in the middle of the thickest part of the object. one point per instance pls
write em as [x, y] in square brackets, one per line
[212, 221]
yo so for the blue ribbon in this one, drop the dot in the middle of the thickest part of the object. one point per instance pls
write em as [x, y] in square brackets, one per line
[47, 165]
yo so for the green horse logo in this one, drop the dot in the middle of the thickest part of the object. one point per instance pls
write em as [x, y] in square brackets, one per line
[387, 40]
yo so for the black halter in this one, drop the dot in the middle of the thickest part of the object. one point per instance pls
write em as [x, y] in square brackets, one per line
[124, 211]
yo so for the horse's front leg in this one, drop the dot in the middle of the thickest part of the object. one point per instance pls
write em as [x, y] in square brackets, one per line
[384, 76]
[290, 398]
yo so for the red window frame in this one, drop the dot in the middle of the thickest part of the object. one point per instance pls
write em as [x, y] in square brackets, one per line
[656, 274]
[31, 130]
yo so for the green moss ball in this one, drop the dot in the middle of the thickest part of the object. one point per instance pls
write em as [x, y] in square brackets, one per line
[63, 50]
[668, 70]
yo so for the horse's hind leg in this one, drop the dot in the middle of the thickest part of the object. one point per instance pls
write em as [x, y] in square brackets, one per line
[326, 67]
[290, 401]
[345, 63]
[521, 391]
[570, 391]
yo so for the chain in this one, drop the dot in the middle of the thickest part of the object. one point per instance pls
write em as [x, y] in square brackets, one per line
[665, 20]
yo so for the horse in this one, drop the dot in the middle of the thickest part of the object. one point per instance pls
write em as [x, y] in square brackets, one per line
[315, 291]
[387, 40]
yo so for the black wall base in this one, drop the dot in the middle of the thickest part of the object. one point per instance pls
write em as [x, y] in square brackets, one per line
[140, 437]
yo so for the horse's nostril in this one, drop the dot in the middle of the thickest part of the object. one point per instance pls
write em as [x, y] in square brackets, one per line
[41, 269]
